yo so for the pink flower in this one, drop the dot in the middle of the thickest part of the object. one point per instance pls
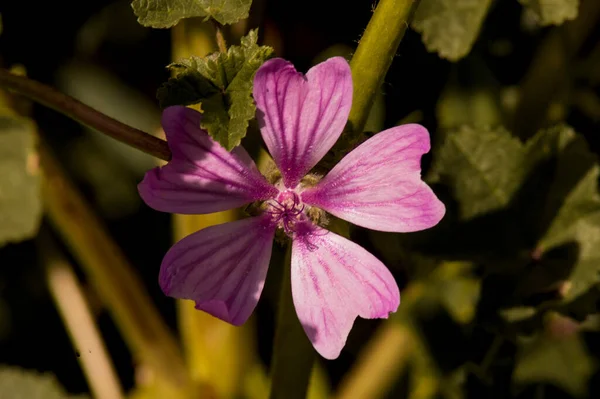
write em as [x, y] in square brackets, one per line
[378, 186]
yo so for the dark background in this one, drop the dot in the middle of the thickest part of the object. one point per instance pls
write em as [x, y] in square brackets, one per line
[42, 36]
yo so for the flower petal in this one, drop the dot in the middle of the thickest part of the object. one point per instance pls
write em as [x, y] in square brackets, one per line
[333, 281]
[202, 177]
[378, 185]
[301, 117]
[222, 268]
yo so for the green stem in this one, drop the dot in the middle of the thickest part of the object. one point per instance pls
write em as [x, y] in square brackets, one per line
[374, 55]
[293, 355]
[85, 115]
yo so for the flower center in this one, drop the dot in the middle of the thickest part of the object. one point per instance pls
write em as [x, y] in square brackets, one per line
[286, 209]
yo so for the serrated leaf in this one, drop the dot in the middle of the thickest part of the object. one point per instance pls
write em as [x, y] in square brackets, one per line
[166, 13]
[20, 202]
[25, 384]
[222, 84]
[188, 87]
[564, 362]
[552, 12]
[450, 27]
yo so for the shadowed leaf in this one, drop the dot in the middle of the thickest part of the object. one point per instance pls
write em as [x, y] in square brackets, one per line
[20, 202]
[166, 13]
[552, 12]
[531, 210]
[484, 167]
[24, 384]
[450, 27]
[222, 84]
[560, 361]
[575, 201]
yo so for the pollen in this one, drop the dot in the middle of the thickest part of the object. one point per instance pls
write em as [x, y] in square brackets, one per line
[286, 210]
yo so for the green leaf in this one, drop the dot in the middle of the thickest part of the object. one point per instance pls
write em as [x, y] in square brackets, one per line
[552, 12]
[166, 13]
[20, 201]
[561, 361]
[484, 167]
[188, 87]
[26, 384]
[546, 189]
[575, 201]
[450, 27]
[222, 84]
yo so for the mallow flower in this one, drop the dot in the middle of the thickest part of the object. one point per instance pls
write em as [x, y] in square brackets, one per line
[377, 185]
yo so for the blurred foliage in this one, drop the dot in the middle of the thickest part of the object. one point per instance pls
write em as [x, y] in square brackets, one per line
[522, 229]
[222, 84]
[109, 168]
[472, 96]
[20, 202]
[552, 12]
[16, 383]
[565, 361]
[450, 27]
[539, 210]
[166, 13]
[511, 274]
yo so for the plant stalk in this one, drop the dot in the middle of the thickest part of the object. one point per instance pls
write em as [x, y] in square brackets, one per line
[85, 115]
[111, 275]
[374, 55]
[293, 354]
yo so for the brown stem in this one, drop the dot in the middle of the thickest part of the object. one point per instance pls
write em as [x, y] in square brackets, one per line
[220, 38]
[85, 115]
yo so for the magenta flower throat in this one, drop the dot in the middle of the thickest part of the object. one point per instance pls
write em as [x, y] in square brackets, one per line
[378, 186]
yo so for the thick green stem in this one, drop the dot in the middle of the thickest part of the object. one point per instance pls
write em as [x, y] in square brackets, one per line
[293, 355]
[85, 115]
[374, 55]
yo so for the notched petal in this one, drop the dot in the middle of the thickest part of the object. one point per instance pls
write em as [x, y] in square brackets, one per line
[378, 185]
[222, 268]
[301, 117]
[202, 176]
[333, 281]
